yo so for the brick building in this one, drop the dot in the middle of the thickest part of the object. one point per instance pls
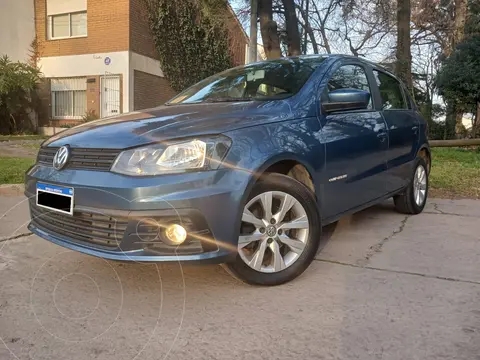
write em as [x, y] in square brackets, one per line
[99, 56]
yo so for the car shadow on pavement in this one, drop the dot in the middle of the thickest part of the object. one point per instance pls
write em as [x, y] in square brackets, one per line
[364, 218]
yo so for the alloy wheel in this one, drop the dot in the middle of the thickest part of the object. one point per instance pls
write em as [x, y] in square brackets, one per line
[420, 185]
[274, 231]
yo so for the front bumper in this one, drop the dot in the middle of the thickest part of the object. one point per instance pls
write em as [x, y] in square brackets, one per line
[121, 218]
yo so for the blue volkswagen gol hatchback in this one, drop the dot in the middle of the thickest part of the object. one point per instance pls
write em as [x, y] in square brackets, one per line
[243, 168]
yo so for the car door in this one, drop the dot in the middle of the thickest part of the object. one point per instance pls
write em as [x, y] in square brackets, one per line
[403, 129]
[355, 143]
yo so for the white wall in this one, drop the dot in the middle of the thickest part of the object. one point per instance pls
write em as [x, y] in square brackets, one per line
[64, 6]
[90, 64]
[122, 62]
[145, 64]
[17, 28]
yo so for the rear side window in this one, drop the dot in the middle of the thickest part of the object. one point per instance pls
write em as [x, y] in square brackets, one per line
[408, 97]
[350, 77]
[390, 91]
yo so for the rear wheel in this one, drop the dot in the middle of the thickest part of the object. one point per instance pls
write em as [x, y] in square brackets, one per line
[280, 232]
[413, 200]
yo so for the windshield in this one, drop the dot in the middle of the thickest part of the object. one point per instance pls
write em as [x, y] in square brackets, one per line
[270, 80]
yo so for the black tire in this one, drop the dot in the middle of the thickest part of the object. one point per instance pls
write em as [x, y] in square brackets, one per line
[405, 202]
[278, 182]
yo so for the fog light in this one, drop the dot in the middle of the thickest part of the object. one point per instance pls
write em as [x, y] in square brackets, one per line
[176, 234]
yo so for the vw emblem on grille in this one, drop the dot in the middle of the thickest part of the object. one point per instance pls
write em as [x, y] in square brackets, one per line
[61, 157]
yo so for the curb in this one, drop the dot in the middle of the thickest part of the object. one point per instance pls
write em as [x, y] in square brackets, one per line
[12, 189]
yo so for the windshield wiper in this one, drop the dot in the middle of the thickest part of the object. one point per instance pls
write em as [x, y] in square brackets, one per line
[227, 99]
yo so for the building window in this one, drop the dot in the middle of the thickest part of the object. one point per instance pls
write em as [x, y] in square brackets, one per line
[70, 25]
[69, 98]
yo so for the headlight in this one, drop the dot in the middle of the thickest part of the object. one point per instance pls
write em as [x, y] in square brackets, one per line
[182, 156]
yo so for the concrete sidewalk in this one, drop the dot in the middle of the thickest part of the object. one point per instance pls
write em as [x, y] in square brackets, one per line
[384, 286]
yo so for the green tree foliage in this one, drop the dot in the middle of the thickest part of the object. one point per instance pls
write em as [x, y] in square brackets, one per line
[17, 97]
[191, 39]
[472, 26]
[458, 79]
[437, 127]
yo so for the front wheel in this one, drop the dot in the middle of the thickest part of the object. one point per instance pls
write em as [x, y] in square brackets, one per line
[413, 200]
[279, 234]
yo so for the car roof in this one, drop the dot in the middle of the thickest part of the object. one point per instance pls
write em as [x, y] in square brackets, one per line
[336, 56]
[344, 56]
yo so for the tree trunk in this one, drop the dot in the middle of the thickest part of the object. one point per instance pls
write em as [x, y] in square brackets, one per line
[326, 43]
[476, 120]
[268, 29]
[454, 143]
[450, 122]
[308, 30]
[429, 107]
[404, 55]
[460, 20]
[321, 20]
[252, 50]
[291, 22]
[458, 36]
[311, 34]
[459, 124]
[305, 32]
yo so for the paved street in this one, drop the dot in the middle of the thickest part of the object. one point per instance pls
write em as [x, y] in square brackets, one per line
[385, 286]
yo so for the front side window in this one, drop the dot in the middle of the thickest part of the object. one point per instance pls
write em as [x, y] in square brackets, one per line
[390, 91]
[350, 77]
[69, 98]
[271, 80]
[67, 25]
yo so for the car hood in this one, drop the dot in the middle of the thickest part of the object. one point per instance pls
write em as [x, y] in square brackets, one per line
[172, 121]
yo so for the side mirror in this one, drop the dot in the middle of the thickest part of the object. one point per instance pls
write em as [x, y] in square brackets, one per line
[346, 99]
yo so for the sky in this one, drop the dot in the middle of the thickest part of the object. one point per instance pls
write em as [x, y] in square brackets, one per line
[338, 45]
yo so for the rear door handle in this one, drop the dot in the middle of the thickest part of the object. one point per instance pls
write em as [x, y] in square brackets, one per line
[415, 129]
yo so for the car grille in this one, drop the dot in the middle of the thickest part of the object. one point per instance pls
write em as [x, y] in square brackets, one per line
[85, 159]
[101, 230]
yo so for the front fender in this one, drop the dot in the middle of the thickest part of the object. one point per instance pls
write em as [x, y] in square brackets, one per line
[257, 148]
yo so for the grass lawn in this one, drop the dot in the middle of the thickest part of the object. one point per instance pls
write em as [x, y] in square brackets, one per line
[34, 146]
[455, 173]
[13, 169]
[22, 137]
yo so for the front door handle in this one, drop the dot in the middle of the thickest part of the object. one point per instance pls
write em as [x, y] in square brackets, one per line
[382, 135]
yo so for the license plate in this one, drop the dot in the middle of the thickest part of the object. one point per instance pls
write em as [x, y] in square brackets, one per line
[56, 198]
